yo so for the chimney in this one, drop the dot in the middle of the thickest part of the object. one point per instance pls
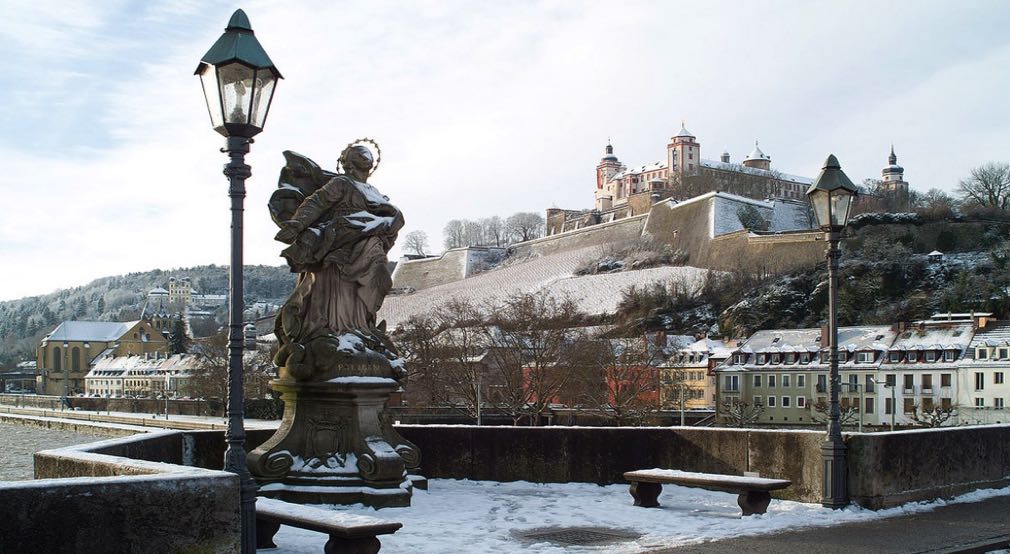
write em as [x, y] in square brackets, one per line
[824, 337]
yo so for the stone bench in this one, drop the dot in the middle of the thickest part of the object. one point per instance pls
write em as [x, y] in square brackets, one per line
[753, 492]
[349, 533]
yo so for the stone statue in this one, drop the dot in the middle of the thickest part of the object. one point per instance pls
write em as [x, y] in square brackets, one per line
[336, 365]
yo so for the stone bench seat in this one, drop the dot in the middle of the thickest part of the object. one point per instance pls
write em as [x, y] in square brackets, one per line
[753, 492]
[349, 533]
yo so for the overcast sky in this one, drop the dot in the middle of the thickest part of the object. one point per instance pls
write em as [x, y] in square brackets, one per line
[108, 163]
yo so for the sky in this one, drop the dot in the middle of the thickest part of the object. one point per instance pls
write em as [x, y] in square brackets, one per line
[110, 164]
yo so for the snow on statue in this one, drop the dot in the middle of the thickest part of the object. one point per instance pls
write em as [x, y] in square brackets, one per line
[339, 228]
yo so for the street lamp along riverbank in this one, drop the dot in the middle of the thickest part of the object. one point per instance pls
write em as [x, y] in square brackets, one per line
[238, 81]
[831, 197]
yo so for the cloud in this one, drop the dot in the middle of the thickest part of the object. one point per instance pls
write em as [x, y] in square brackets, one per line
[480, 108]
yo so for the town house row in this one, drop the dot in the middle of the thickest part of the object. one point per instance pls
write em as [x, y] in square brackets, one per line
[952, 366]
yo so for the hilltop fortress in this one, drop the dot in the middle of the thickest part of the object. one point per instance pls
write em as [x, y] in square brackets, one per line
[715, 214]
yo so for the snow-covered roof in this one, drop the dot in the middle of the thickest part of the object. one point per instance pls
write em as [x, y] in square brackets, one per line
[756, 154]
[157, 291]
[937, 336]
[993, 334]
[935, 253]
[798, 179]
[100, 331]
[684, 132]
[644, 168]
[137, 365]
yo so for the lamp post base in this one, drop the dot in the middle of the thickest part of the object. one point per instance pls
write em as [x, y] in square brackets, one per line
[835, 492]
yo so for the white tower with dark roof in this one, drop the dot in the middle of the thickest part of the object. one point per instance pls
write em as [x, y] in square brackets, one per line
[683, 154]
[892, 178]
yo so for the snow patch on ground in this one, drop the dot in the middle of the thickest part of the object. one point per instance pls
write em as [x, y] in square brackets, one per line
[486, 516]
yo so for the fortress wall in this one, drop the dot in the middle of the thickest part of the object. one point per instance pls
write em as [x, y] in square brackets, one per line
[774, 253]
[428, 272]
[622, 230]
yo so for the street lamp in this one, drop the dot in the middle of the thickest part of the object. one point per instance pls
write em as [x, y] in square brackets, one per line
[238, 81]
[831, 197]
[66, 375]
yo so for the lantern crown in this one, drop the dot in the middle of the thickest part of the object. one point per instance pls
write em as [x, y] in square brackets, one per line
[238, 44]
[832, 177]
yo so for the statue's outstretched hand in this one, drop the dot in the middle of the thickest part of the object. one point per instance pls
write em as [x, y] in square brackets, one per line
[289, 231]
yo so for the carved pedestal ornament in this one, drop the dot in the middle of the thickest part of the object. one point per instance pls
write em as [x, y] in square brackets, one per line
[337, 366]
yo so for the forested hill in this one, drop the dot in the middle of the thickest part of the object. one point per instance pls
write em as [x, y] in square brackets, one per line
[120, 298]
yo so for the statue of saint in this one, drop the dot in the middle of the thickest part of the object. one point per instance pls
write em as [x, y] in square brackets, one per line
[339, 229]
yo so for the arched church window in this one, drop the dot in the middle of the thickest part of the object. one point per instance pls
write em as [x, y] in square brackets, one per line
[57, 361]
[75, 359]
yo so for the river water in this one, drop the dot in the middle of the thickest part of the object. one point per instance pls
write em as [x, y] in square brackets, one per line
[18, 444]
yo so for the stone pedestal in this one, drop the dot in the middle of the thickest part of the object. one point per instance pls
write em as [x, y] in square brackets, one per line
[336, 446]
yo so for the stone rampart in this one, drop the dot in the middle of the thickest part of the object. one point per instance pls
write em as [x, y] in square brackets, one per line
[887, 469]
[87, 500]
[615, 232]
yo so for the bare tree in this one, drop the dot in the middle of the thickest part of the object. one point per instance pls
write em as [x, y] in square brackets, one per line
[494, 231]
[936, 204]
[933, 415]
[740, 414]
[620, 376]
[473, 233]
[848, 414]
[987, 186]
[454, 234]
[531, 340]
[524, 226]
[416, 241]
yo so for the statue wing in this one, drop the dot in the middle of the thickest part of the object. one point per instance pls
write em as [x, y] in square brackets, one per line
[299, 178]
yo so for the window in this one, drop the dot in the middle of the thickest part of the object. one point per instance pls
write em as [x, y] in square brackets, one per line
[805, 358]
[771, 401]
[888, 407]
[945, 379]
[785, 381]
[757, 380]
[982, 354]
[762, 358]
[776, 358]
[801, 381]
[930, 356]
[785, 401]
[841, 357]
[979, 402]
[913, 356]
[909, 405]
[757, 401]
[771, 381]
[868, 407]
[57, 364]
[864, 357]
[822, 383]
[741, 358]
[894, 357]
[75, 359]
[732, 383]
[890, 380]
[927, 382]
[997, 378]
[997, 403]
[979, 381]
[853, 381]
[909, 382]
[927, 404]
[946, 403]
[1003, 354]
[801, 401]
[790, 358]
[948, 356]
[868, 384]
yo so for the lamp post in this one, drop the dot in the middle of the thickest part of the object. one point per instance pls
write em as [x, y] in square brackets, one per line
[831, 197]
[238, 81]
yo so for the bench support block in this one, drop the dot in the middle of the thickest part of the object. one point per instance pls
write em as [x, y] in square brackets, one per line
[646, 495]
[265, 531]
[754, 502]
[338, 545]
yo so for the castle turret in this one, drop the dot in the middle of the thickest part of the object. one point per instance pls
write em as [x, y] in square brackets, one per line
[757, 159]
[724, 158]
[893, 182]
[683, 154]
[606, 189]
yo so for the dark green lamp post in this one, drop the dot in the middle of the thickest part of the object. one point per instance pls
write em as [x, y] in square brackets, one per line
[831, 197]
[238, 82]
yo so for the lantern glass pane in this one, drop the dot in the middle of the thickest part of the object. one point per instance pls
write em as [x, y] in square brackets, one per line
[208, 78]
[841, 201]
[820, 201]
[265, 81]
[236, 85]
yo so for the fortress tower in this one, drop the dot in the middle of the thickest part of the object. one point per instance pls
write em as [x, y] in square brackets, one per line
[683, 154]
[757, 159]
[893, 181]
[608, 167]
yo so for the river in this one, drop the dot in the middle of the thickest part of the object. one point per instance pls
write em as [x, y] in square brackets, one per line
[18, 444]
